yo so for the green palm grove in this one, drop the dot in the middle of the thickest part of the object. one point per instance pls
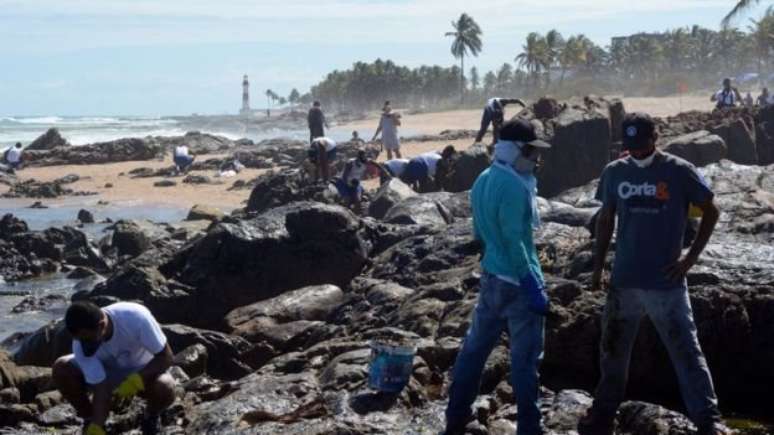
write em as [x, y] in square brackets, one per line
[647, 64]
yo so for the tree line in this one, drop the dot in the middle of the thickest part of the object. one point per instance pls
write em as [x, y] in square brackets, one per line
[661, 63]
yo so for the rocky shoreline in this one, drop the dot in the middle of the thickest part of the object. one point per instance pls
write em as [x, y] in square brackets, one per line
[271, 309]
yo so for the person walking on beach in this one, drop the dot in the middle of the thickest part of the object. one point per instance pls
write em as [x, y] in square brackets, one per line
[119, 352]
[494, 113]
[512, 293]
[14, 156]
[650, 192]
[388, 127]
[322, 153]
[316, 121]
[182, 158]
[764, 99]
[727, 97]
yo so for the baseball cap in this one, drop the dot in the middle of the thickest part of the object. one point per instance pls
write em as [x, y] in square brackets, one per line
[638, 130]
[521, 130]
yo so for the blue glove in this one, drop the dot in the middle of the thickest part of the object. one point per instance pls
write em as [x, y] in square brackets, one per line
[536, 293]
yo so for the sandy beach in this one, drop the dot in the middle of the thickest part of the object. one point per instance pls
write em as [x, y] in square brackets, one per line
[126, 189]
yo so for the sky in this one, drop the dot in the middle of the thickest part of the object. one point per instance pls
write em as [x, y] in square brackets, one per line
[177, 57]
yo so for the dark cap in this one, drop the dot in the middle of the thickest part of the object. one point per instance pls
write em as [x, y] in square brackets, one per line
[521, 130]
[638, 130]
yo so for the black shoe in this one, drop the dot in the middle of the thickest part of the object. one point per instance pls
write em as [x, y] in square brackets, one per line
[150, 425]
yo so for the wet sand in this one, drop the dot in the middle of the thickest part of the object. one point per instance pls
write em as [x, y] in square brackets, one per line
[129, 190]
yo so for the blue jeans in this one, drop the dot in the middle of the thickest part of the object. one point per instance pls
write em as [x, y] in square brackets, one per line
[500, 305]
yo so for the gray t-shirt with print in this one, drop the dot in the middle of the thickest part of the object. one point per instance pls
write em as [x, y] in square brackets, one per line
[652, 209]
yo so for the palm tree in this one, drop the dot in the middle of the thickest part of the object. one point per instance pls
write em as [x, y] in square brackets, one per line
[533, 56]
[467, 39]
[554, 44]
[739, 9]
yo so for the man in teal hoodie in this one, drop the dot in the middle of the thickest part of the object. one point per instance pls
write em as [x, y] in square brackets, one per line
[512, 293]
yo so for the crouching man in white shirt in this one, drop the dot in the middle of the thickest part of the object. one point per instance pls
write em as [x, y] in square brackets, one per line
[119, 352]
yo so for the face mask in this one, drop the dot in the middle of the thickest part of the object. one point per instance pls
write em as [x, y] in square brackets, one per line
[644, 163]
[524, 165]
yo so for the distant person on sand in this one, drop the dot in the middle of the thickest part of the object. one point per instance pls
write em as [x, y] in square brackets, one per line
[648, 192]
[316, 121]
[182, 158]
[349, 185]
[420, 170]
[494, 113]
[748, 101]
[727, 97]
[388, 127]
[511, 294]
[356, 140]
[322, 153]
[14, 156]
[764, 99]
[119, 352]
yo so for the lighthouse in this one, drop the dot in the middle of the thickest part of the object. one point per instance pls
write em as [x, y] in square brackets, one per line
[245, 97]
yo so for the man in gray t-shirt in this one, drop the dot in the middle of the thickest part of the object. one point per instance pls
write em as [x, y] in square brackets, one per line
[649, 193]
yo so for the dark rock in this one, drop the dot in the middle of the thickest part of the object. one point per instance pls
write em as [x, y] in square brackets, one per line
[164, 183]
[389, 194]
[81, 273]
[461, 171]
[226, 350]
[204, 212]
[580, 149]
[197, 179]
[48, 140]
[419, 210]
[38, 204]
[121, 150]
[322, 240]
[85, 217]
[33, 303]
[129, 239]
[700, 148]
[277, 189]
[740, 141]
[546, 108]
[44, 346]
[192, 359]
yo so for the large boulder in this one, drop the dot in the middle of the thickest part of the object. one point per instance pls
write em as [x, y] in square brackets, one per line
[48, 140]
[204, 212]
[389, 194]
[129, 239]
[120, 150]
[700, 148]
[419, 210]
[580, 149]
[241, 262]
[275, 189]
[289, 320]
[740, 141]
[764, 135]
[459, 174]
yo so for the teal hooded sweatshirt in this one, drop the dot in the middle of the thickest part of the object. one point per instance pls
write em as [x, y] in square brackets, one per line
[502, 221]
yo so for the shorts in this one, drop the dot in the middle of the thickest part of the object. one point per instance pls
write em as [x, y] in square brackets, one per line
[312, 153]
[416, 170]
[114, 376]
[183, 161]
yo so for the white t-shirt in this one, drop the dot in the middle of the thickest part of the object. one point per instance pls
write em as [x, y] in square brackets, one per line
[137, 337]
[357, 170]
[728, 98]
[14, 155]
[494, 104]
[396, 166]
[181, 151]
[431, 159]
[328, 143]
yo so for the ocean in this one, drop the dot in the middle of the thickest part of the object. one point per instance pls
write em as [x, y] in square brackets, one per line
[82, 130]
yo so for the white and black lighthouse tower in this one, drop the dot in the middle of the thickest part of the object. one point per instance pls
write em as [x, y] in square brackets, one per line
[245, 97]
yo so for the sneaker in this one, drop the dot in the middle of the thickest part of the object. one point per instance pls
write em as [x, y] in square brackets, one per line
[595, 423]
[150, 425]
